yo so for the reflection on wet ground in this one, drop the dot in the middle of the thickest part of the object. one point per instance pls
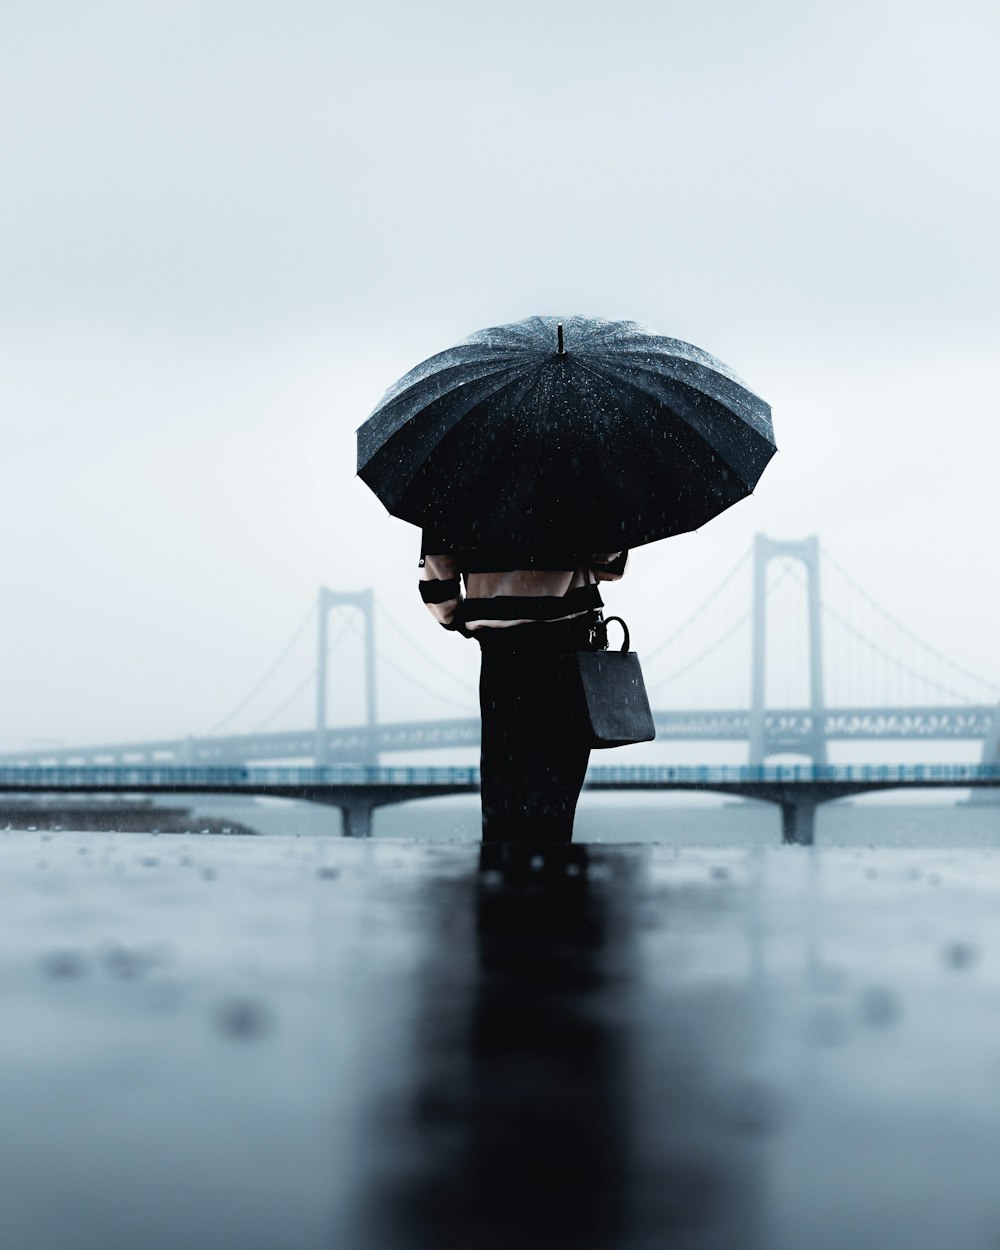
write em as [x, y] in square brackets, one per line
[273, 1042]
[531, 1093]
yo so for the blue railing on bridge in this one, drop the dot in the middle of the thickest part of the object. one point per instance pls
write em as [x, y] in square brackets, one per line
[738, 774]
[178, 778]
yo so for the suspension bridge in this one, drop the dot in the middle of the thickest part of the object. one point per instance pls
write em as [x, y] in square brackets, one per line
[723, 635]
[709, 679]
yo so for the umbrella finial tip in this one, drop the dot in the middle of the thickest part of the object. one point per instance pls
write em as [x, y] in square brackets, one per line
[560, 350]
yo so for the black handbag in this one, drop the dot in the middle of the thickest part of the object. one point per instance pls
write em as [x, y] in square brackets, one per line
[607, 691]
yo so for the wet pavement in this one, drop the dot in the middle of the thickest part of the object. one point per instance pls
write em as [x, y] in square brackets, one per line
[214, 1041]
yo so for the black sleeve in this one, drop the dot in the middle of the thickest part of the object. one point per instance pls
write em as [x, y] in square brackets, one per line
[434, 544]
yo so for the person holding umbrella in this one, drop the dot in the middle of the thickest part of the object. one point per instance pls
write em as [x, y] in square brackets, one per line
[525, 610]
[522, 452]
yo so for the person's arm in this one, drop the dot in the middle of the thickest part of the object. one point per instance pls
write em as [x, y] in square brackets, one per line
[609, 566]
[440, 585]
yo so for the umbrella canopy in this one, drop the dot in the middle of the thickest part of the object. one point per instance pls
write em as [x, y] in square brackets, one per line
[575, 435]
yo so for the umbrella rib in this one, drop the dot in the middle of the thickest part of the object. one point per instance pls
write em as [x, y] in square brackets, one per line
[418, 460]
[701, 435]
[398, 419]
[743, 402]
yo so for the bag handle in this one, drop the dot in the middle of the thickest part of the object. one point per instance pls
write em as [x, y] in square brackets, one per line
[625, 640]
[599, 629]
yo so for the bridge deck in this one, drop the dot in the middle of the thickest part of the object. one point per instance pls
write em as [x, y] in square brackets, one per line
[359, 790]
[391, 785]
[268, 1042]
[785, 729]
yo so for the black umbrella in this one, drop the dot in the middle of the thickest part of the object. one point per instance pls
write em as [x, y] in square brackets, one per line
[579, 435]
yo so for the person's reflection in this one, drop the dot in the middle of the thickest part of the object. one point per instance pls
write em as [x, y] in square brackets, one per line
[547, 1154]
[516, 1134]
[565, 1093]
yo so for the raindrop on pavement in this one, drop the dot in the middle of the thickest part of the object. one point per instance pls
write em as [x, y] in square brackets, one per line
[125, 964]
[752, 1110]
[959, 955]
[243, 1017]
[826, 1027]
[879, 1006]
[64, 965]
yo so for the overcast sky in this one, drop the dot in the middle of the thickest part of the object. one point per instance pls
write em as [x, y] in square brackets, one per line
[228, 227]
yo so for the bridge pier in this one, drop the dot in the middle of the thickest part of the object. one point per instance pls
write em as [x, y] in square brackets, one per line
[798, 822]
[357, 819]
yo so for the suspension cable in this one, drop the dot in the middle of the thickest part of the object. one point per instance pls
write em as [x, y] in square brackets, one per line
[698, 611]
[714, 646]
[266, 678]
[878, 650]
[932, 651]
[427, 659]
[348, 621]
[414, 681]
[278, 710]
[436, 694]
[891, 659]
[702, 655]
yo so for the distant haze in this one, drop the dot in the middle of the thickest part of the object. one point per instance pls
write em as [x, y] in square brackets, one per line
[229, 227]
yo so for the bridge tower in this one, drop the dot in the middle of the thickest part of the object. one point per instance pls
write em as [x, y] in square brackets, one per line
[805, 550]
[364, 601]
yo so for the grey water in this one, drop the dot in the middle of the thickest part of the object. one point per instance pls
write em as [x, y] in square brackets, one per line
[903, 821]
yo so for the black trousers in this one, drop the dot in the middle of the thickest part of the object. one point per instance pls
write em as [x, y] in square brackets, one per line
[533, 760]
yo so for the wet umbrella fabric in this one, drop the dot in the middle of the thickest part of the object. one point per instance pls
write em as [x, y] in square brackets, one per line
[580, 434]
